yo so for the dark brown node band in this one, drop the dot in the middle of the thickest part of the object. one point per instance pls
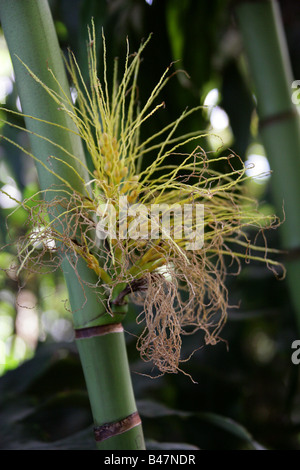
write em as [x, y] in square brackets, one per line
[291, 113]
[108, 430]
[100, 330]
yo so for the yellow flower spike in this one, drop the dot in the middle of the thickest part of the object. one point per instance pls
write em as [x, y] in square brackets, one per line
[132, 196]
[117, 176]
[124, 172]
[109, 124]
[107, 167]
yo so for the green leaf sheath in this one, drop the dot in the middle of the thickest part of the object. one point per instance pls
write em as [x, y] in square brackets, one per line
[268, 58]
[31, 37]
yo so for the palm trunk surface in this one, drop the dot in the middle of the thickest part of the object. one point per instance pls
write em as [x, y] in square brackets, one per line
[269, 64]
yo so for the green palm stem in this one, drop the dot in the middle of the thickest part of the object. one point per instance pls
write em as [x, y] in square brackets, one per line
[267, 55]
[31, 36]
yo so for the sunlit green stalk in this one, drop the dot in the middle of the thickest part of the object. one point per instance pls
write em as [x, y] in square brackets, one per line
[268, 58]
[31, 37]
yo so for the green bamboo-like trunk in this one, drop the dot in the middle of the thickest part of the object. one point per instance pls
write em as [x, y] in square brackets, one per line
[267, 54]
[30, 35]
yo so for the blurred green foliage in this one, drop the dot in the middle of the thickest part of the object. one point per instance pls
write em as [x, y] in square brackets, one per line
[246, 393]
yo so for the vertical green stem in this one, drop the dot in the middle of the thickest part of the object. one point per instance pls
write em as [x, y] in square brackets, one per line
[267, 54]
[30, 35]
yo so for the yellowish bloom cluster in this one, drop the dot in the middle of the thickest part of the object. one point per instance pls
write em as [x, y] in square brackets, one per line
[155, 271]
